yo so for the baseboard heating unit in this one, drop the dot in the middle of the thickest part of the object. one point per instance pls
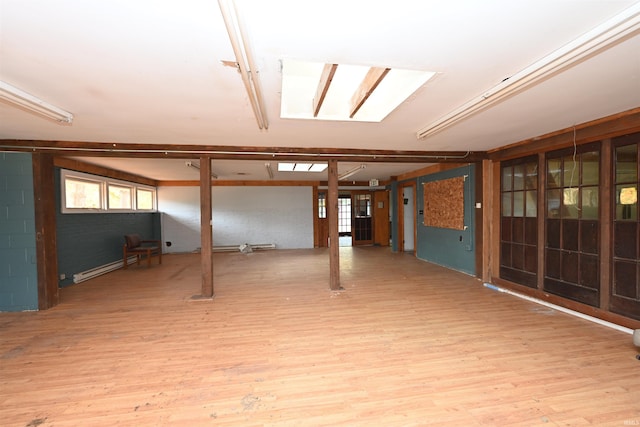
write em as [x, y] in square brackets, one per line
[103, 269]
[244, 247]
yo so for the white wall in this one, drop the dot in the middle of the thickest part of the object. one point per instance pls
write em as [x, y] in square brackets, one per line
[280, 215]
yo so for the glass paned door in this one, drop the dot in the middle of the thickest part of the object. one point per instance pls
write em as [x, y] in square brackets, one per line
[362, 219]
[625, 287]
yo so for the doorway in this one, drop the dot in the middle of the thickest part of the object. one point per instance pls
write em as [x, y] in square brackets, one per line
[344, 219]
[407, 217]
[356, 218]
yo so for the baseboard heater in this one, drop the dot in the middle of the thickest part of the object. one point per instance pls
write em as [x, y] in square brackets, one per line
[103, 269]
[244, 247]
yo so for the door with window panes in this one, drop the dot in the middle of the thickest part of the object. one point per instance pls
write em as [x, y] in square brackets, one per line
[519, 221]
[362, 225]
[624, 295]
[572, 243]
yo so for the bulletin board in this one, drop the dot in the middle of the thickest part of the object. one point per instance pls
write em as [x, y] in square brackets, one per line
[444, 203]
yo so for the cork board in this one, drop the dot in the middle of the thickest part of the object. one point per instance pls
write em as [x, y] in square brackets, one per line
[444, 203]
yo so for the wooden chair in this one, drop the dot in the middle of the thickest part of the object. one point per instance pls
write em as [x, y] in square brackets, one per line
[134, 245]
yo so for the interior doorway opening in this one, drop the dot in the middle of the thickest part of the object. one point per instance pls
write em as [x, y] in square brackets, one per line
[344, 219]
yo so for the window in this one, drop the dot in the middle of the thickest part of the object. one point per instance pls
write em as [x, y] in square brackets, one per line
[120, 197]
[572, 259]
[519, 224]
[322, 205]
[82, 193]
[87, 193]
[363, 206]
[145, 198]
[344, 214]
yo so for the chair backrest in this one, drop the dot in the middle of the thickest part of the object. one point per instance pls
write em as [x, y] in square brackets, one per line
[132, 240]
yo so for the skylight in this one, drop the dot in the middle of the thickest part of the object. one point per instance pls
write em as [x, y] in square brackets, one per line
[345, 92]
[301, 167]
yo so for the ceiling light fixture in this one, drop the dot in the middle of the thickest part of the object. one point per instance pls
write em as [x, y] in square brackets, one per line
[22, 99]
[244, 60]
[601, 37]
[269, 170]
[193, 165]
[351, 172]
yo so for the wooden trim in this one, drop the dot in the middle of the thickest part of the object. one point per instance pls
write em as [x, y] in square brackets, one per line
[380, 217]
[488, 190]
[45, 225]
[334, 239]
[400, 210]
[76, 165]
[478, 214]
[245, 183]
[495, 219]
[326, 78]
[606, 127]
[206, 228]
[173, 151]
[567, 303]
[265, 183]
[541, 219]
[316, 220]
[606, 221]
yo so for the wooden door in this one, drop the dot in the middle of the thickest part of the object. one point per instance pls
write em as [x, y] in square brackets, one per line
[321, 223]
[381, 218]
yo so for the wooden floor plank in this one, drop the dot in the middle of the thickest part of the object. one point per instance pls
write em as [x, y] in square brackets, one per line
[407, 343]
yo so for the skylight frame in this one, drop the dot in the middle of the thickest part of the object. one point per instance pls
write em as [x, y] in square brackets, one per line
[302, 81]
[302, 167]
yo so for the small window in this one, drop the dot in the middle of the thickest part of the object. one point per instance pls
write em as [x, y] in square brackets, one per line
[322, 205]
[120, 197]
[145, 198]
[82, 194]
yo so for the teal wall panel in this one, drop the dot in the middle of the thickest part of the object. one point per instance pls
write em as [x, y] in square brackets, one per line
[18, 268]
[454, 249]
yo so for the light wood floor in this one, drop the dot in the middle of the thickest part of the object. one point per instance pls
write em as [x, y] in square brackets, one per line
[407, 343]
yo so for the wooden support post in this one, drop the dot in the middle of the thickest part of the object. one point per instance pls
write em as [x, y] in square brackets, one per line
[334, 239]
[206, 228]
[45, 223]
[488, 245]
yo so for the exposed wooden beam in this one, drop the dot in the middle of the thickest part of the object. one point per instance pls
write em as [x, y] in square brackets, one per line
[80, 166]
[366, 88]
[222, 152]
[326, 78]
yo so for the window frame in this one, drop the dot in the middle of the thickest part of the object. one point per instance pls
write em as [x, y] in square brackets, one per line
[104, 183]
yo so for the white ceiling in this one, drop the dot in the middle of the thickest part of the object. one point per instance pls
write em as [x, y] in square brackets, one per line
[151, 72]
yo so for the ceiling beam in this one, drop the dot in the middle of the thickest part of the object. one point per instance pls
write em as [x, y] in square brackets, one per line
[369, 84]
[326, 78]
[169, 151]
